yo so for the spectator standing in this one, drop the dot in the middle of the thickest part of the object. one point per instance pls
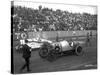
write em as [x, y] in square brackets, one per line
[91, 34]
[88, 40]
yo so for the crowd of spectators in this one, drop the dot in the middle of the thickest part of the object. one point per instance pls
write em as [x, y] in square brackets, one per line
[46, 19]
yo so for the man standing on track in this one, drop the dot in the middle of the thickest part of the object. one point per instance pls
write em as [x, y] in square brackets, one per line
[26, 56]
[88, 40]
[91, 34]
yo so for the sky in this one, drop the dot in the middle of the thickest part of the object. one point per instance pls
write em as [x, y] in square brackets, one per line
[65, 7]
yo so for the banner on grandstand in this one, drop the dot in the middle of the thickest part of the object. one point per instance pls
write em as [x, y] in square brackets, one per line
[50, 34]
[20, 35]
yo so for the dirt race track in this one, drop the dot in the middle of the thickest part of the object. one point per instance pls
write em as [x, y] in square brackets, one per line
[64, 63]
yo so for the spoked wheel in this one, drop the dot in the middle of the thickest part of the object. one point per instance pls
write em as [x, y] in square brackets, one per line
[78, 50]
[43, 52]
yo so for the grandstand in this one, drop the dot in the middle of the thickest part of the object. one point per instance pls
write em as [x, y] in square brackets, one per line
[45, 19]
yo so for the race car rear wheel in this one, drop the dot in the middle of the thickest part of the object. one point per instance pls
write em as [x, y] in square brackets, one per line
[78, 50]
[43, 52]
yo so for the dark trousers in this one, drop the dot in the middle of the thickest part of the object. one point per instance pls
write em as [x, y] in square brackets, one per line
[27, 62]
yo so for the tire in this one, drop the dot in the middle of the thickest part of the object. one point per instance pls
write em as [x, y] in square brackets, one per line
[43, 52]
[78, 50]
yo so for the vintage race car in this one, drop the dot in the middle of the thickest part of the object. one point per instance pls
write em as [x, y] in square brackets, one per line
[57, 48]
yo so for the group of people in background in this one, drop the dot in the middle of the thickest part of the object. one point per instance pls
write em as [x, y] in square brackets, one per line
[46, 19]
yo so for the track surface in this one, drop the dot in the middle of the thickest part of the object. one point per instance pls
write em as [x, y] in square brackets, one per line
[64, 63]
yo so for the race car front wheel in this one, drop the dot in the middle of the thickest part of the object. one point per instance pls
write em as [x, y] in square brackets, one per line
[78, 50]
[43, 52]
